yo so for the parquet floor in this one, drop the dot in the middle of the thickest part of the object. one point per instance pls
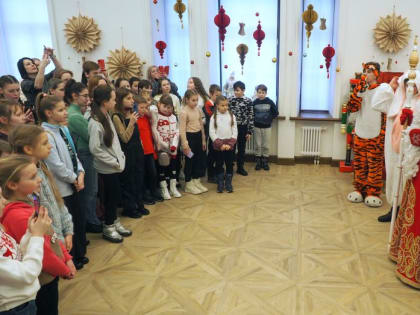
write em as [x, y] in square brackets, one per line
[285, 242]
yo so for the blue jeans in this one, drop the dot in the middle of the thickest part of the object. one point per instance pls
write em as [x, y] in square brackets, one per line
[89, 194]
[28, 308]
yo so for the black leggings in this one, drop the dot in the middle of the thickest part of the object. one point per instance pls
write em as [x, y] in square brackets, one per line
[78, 214]
[47, 299]
[151, 175]
[224, 157]
[168, 171]
[240, 144]
[112, 196]
[194, 166]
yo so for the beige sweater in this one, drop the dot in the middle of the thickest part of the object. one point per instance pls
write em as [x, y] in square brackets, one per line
[190, 120]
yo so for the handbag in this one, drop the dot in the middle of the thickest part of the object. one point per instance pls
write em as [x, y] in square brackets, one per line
[163, 158]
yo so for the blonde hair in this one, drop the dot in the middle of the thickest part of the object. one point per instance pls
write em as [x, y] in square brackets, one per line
[28, 135]
[10, 171]
[188, 94]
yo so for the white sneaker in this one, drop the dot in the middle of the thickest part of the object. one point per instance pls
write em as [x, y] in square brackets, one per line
[173, 190]
[199, 185]
[191, 188]
[164, 190]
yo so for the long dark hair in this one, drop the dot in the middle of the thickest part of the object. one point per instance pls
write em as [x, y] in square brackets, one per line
[200, 88]
[7, 79]
[121, 93]
[101, 94]
[219, 99]
[72, 87]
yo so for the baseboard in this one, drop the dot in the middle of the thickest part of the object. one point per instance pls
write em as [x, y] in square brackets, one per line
[296, 160]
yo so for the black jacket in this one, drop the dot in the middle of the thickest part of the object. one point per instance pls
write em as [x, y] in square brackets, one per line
[264, 112]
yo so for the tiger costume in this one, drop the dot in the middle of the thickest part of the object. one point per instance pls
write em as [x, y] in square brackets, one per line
[368, 142]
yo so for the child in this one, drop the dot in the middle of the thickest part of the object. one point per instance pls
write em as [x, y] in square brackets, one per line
[18, 179]
[166, 135]
[11, 114]
[64, 75]
[264, 112]
[223, 133]
[90, 69]
[165, 88]
[122, 83]
[193, 142]
[66, 168]
[125, 122]
[77, 96]
[93, 82]
[108, 159]
[134, 85]
[151, 194]
[56, 87]
[20, 266]
[195, 83]
[214, 92]
[32, 140]
[243, 110]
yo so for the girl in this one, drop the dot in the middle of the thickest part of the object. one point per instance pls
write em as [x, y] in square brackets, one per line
[18, 180]
[108, 159]
[223, 133]
[90, 69]
[166, 135]
[193, 142]
[77, 96]
[56, 87]
[134, 85]
[125, 122]
[21, 265]
[153, 75]
[66, 168]
[122, 83]
[10, 89]
[165, 88]
[151, 193]
[11, 114]
[93, 82]
[64, 75]
[195, 83]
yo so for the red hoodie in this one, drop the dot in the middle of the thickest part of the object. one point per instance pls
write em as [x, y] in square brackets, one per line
[15, 221]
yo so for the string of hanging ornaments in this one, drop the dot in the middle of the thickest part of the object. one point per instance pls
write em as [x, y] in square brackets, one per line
[123, 63]
[180, 8]
[392, 33]
[222, 20]
[82, 33]
[309, 16]
[259, 34]
[242, 50]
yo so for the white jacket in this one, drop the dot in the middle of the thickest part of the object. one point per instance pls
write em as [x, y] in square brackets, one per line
[19, 276]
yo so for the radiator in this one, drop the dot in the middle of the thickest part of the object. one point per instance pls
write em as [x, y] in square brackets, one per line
[250, 146]
[311, 142]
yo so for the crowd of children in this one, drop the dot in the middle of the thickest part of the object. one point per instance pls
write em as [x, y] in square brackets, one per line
[72, 153]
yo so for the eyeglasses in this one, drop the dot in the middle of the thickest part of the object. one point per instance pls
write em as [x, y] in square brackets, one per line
[84, 95]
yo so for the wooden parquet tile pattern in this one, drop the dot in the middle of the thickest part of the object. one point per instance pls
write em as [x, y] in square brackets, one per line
[285, 242]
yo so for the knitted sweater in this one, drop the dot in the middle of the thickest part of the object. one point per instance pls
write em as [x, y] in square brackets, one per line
[166, 133]
[20, 267]
[264, 112]
[225, 133]
[243, 110]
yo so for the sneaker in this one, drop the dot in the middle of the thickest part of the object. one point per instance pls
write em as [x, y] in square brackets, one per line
[258, 165]
[110, 234]
[164, 190]
[191, 188]
[121, 229]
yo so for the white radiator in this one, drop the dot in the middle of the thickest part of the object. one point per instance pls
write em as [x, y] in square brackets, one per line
[311, 142]
[250, 146]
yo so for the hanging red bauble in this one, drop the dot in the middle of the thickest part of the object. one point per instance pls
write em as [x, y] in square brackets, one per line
[222, 20]
[321, 66]
[328, 52]
[154, 1]
[259, 35]
[161, 45]
[192, 62]
[226, 66]
[290, 53]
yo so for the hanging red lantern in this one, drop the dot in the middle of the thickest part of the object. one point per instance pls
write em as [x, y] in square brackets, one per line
[155, 1]
[161, 45]
[242, 50]
[328, 52]
[259, 35]
[163, 70]
[222, 20]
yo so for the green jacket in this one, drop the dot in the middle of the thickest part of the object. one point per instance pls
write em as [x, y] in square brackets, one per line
[78, 126]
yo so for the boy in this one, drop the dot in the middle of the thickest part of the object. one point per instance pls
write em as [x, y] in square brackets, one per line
[241, 107]
[264, 112]
[214, 92]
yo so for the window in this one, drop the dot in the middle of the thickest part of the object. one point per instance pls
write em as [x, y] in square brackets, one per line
[177, 54]
[316, 90]
[256, 69]
[24, 29]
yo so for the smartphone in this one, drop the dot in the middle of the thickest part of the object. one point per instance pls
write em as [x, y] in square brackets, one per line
[190, 154]
[101, 63]
[37, 204]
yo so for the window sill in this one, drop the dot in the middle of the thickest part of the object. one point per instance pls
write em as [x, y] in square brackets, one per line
[315, 116]
[281, 117]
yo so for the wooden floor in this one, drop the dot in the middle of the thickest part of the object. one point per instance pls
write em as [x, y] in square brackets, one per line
[285, 242]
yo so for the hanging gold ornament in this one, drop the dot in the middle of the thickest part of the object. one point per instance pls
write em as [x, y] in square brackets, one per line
[82, 33]
[274, 60]
[392, 33]
[323, 26]
[208, 54]
[310, 16]
[124, 64]
[180, 8]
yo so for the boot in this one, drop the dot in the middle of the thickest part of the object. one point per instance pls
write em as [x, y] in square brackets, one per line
[110, 234]
[121, 229]
[220, 182]
[134, 214]
[265, 165]
[173, 190]
[228, 183]
[199, 185]
[387, 217]
[164, 190]
[241, 171]
[191, 188]
[157, 196]
[258, 166]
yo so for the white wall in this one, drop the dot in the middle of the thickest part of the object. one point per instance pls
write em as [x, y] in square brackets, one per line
[132, 15]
